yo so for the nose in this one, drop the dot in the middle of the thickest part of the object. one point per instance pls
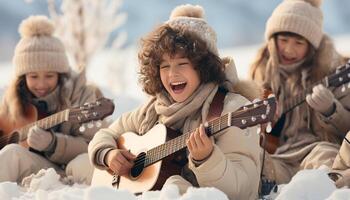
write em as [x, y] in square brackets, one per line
[289, 49]
[41, 84]
[173, 71]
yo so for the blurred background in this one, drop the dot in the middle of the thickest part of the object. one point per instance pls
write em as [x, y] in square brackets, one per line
[112, 29]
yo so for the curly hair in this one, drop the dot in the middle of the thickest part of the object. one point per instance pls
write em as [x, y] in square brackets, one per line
[166, 40]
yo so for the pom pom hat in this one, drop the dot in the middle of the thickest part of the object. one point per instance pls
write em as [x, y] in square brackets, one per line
[38, 50]
[303, 17]
[190, 18]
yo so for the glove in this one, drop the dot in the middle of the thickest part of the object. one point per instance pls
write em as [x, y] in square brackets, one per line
[321, 100]
[39, 139]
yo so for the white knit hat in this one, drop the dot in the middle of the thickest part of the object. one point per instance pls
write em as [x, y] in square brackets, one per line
[190, 18]
[38, 50]
[303, 17]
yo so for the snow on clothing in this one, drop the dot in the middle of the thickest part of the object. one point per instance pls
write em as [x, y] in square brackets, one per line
[233, 166]
[304, 128]
[70, 141]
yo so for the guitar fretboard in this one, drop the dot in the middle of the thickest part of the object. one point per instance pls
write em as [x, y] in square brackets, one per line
[45, 123]
[158, 153]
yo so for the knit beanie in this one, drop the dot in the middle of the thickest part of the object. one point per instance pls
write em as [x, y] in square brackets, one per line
[190, 18]
[38, 50]
[303, 17]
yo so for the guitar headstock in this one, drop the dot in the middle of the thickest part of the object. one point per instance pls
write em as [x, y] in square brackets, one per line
[256, 113]
[97, 110]
[341, 76]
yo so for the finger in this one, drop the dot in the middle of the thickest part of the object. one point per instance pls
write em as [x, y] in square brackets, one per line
[204, 137]
[309, 100]
[198, 140]
[318, 98]
[124, 162]
[128, 155]
[192, 140]
[189, 145]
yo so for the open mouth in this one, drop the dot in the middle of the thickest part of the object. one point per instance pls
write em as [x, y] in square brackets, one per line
[178, 87]
[287, 60]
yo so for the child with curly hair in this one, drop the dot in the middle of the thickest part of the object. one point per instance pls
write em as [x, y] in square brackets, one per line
[181, 71]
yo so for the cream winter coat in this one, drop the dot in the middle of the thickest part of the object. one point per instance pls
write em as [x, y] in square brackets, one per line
[305, 128]
[234, 165]
[70, 141]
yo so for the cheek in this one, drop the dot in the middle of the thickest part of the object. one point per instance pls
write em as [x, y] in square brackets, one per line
[53, 83]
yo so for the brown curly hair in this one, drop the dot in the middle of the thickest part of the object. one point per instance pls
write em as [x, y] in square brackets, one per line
[166, 40]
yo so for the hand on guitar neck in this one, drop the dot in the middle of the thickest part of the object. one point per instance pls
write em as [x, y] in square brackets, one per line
[318, 97]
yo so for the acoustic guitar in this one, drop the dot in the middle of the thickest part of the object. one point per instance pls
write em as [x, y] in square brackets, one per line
[88, 112]
[340, 77]
[157, 153]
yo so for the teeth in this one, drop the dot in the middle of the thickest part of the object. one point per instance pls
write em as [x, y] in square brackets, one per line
[178, 83]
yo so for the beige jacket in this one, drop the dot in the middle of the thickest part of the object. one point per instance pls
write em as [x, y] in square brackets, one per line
[234, 165]
[70, 141]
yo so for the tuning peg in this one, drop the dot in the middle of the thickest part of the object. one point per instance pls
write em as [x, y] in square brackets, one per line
[256, 100]
[343, 88]
[82, 128]
[90, 125]
[271, 95]
[98, 123]
[268, 127]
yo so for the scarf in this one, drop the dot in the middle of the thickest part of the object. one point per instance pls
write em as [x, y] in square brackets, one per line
[183, 116]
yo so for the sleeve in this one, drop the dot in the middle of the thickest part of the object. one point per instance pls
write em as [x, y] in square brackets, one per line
[234, 165]
[70, 142]
[106, 138]
[339, 119]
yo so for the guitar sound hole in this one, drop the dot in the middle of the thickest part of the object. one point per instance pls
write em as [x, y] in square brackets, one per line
[137, 169]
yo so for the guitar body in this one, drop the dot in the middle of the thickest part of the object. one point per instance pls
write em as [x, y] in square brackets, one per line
[9, 129]
[152, 177]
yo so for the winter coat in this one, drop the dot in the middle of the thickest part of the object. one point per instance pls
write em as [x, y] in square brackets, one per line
[304, 127]
[341, 164]
[70, 141]
[233, 166]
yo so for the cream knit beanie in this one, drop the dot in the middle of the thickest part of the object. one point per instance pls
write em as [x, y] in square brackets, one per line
[38, 50]
[190, 18]
[303, 17]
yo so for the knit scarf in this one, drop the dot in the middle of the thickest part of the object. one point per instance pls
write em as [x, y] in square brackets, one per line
[183, 116]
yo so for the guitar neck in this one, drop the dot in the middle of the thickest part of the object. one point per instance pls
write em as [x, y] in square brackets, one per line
[45, 123]
[160, 152]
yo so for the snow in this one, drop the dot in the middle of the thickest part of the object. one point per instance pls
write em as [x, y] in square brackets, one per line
[46, 185]
[120, 84]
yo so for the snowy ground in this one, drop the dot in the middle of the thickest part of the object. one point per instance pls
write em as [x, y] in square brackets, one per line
[116, 74]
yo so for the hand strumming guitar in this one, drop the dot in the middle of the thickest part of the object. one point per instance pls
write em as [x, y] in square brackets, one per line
[199, 144]
[120, 161]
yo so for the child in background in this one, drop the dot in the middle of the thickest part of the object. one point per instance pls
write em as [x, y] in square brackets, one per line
[297, 54]
[181, 70]
[44, 79]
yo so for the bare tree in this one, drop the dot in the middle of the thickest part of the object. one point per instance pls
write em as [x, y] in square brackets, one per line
[85, 27]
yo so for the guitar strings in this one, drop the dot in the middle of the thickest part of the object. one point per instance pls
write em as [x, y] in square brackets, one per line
[140, 162]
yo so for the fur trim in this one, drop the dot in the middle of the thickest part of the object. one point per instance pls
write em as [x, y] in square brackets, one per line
[248, 89]
[327, 59]
[36, 26]
[187, 10]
